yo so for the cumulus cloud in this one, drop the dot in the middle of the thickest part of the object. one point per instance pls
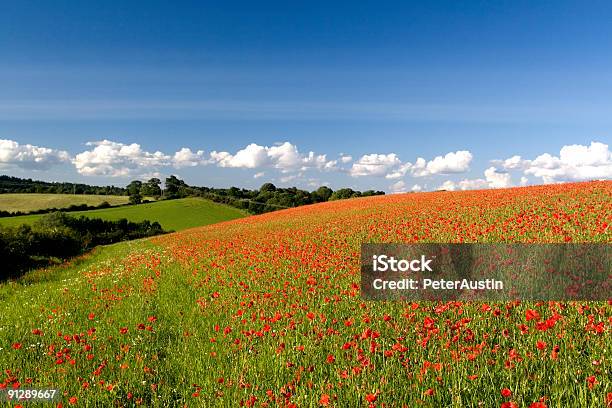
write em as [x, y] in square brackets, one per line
[416, 188]
[473, 184]
[186, 158]
[399, 187]
[574, 163]
[400, 171]
[251, 157]
[115, 159]
[375, 165]
[496, 179]
[284, 156]
[30, 157]
[493, 179]
[318, 161]
[512, 163]
[453, 162]
[344, 158]
[448, 185]
[391, 167]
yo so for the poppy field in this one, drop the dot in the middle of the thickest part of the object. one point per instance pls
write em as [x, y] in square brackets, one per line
[266, 311]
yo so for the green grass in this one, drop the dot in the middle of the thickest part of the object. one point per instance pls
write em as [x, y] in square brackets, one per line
[171, 214]
[34, 201]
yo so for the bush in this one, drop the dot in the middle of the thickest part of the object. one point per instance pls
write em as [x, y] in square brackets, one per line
[59, 235]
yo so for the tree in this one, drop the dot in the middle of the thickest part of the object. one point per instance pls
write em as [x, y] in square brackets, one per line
[172, 187]
[133, 190]
[134, 187]
[343, 193]
[151, 188]
[322, 194]
[234, 192]
[135, 199]
[370, 193]
[267, 187]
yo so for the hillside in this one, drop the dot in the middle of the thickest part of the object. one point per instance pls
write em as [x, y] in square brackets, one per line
[34, 201]
[171, 214]
[266, 311]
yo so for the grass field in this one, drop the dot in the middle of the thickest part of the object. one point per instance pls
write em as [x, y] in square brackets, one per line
[33, 201]
[171, 214]
[266, 311]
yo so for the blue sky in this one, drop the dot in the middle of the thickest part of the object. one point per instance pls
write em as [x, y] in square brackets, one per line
[373, 79]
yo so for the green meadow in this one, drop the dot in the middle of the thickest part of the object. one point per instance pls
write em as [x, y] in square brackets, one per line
[171, 214]
[35, 201]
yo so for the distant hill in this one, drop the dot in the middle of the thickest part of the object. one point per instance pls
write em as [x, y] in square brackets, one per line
[175, 215]
[35, 201]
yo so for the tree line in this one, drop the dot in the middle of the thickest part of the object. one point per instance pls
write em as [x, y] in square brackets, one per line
[9, 184]
[59, 236]
[265, 199]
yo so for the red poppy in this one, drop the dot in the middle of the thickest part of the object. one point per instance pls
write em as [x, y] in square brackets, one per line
[531, 314]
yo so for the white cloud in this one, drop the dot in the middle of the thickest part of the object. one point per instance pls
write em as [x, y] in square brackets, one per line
[344, 158]
[186, 158]
[416, 188]
[497, 180]
[597, 154]
[524, 181]
[284, 156]
[473, 184]
[30, 157]
[259, 175]
[574, 163]
[399, 187]
[453, 162]
[493, 179]
[512, 163]
[251, 157]
[375, 165]
[400, 171]
[390, 166]
[419, 167]
[318, 161]
[114, 159]
[448, 185]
